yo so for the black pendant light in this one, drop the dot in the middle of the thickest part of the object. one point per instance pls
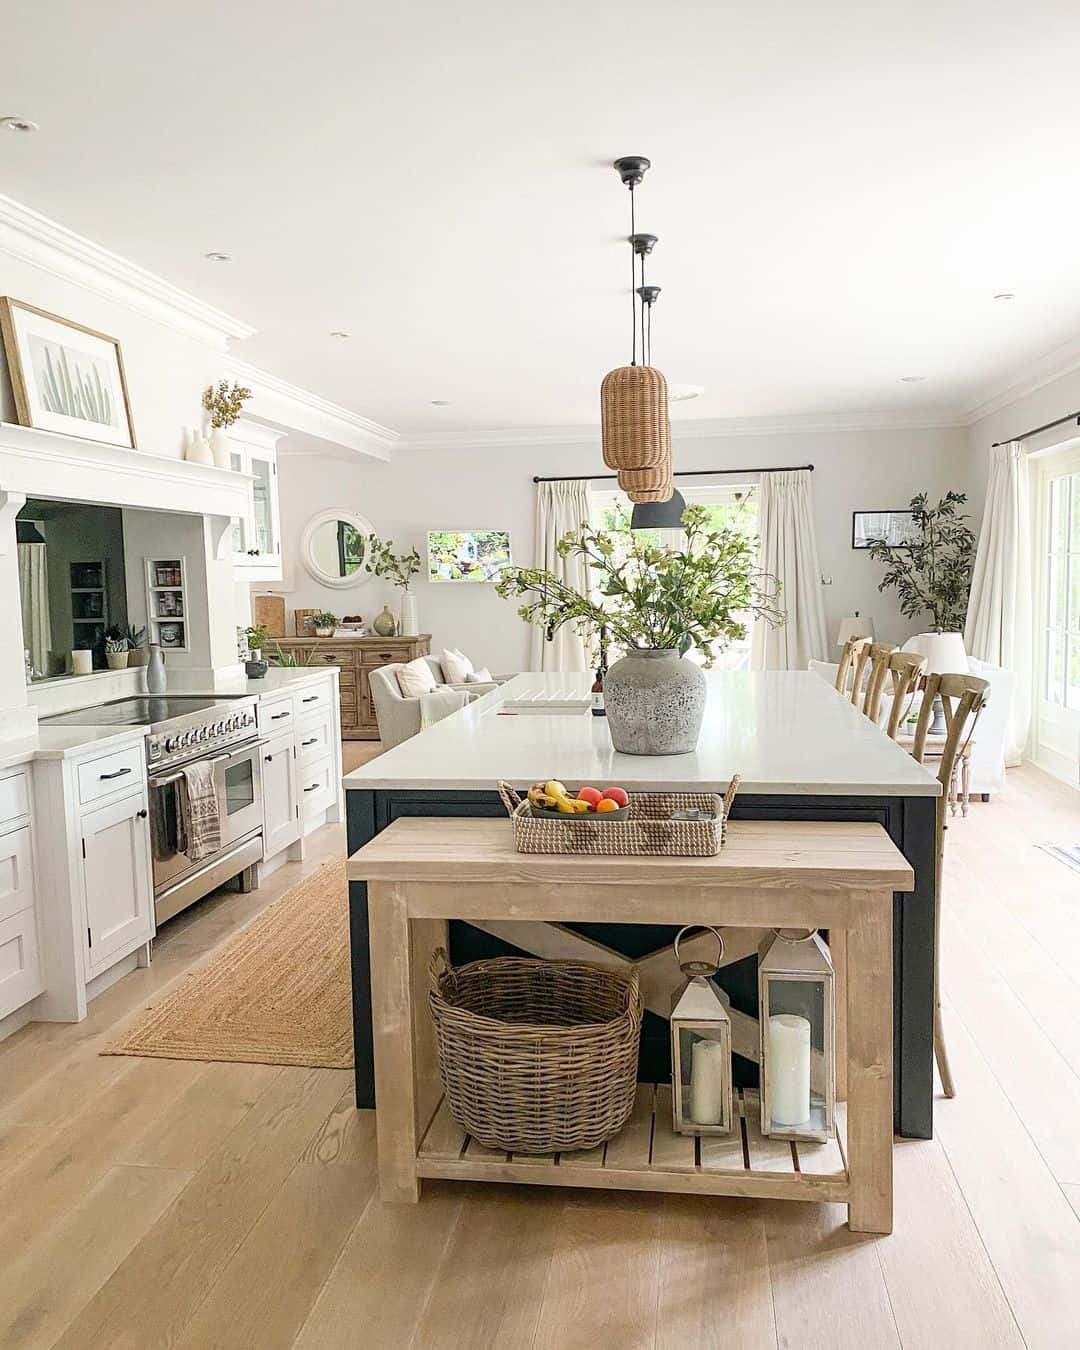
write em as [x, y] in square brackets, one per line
[659, 515]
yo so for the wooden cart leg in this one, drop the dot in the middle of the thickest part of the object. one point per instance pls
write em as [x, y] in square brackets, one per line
[395, 1055]
[870, 1074]
[838, 952]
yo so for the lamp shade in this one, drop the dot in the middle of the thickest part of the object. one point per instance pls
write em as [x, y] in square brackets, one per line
[635, 430]
[659, 515]
[854, 626]
[944, 652]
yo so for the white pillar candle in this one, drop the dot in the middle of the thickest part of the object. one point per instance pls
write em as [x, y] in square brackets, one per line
[706, 1082]
[787, 1064]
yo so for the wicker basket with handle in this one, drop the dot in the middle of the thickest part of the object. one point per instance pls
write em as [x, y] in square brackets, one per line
[536, 1056]
[649, 829]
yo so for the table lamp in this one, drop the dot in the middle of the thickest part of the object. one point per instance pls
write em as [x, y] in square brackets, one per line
[854, 626]
[945, 655]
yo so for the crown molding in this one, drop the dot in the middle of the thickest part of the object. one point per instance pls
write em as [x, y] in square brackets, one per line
[1055, 365]
[41, 242]
[276, 400]
[686, 430]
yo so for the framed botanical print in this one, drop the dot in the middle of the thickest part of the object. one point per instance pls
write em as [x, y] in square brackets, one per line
[897, 528]
[65, 377]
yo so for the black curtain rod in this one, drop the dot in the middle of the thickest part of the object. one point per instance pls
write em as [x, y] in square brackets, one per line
[683, 473]
[1047, 426]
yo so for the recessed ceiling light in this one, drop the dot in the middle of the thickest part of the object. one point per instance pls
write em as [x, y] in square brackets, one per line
[218, 257]
[679, 393]
[1005, 295]
[912, 379]
[18, 124]
[337, 333]
[440, 403]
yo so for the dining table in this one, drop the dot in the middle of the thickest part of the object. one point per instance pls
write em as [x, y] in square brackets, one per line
[802, 752]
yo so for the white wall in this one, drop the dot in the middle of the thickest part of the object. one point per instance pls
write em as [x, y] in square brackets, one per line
[493, 489]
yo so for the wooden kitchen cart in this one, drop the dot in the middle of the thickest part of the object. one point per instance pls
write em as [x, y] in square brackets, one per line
[833, 875]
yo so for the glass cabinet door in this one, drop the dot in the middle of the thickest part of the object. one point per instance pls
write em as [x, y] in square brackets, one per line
[265, 524]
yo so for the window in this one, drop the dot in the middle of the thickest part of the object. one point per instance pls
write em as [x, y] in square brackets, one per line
[1061, 598]
[733, 506]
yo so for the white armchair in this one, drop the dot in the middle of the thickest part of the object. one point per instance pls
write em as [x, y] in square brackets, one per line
[471, 686]
[399, 717]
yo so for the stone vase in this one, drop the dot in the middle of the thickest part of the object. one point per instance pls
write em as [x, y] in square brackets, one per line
[385, 624]
[655, 703]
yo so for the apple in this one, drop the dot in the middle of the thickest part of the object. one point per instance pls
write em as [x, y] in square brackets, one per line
[590, 795]
[616, 795]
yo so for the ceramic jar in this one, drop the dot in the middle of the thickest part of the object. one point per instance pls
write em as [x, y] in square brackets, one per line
[655, 703]
[410, 615]
[220, 447]
[198, 450]
[385, 624]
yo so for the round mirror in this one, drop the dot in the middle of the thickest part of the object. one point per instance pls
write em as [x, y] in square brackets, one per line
[334, 547]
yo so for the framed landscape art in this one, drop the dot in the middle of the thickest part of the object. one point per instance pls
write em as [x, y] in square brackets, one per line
[897, 528]
[65, 377]
[467, 555]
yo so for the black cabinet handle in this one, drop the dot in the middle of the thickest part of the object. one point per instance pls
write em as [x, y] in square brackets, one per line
[311, 788]
[253, 552]
[312, 698]
[118, 774]
[312, 740]
[268, 758]
[142, 814]
[276, 717]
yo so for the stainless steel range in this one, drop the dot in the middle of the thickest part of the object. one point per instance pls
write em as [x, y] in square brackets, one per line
[183, 730]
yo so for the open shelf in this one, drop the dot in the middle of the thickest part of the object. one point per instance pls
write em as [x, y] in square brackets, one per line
[647, 1155]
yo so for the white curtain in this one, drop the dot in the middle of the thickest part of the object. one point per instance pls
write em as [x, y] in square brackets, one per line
[999, 617]
[789, 552]
[34, 601]
[560, 507]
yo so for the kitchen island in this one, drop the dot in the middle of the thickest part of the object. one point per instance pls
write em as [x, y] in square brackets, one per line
[803, 753]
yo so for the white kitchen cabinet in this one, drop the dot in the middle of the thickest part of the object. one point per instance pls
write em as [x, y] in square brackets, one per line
[257, 538]
[281, 811]
[20, 964]
[117, 887]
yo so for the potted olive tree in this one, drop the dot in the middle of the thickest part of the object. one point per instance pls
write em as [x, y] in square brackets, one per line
[656, 604]
[931, 573]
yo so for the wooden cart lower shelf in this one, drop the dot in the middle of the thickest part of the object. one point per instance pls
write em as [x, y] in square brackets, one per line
[647, 1155]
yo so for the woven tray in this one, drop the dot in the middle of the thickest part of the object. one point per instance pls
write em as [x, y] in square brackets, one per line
[649, 829]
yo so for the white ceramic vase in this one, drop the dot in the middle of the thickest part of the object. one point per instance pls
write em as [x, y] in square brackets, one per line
[198, 450]
[220, 447]
[410, 615]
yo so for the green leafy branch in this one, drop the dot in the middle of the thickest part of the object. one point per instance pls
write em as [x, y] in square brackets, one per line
[398, 568]
[932, 573]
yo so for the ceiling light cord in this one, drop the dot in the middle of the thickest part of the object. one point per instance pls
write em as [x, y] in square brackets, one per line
[633, 296]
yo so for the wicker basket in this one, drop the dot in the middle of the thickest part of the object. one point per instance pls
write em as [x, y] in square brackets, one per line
[536, 1056]
[649, 829]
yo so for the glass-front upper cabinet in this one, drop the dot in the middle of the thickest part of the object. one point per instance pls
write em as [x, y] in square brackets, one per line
[257, 540]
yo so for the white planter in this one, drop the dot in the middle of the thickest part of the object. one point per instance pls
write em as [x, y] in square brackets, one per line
[221, 447]
[410, 615]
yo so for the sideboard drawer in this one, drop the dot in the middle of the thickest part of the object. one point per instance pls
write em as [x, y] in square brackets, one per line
[112, 773]
[343, 659]
[20, 964]
[384, 655]
[14, 798]
[16, 873]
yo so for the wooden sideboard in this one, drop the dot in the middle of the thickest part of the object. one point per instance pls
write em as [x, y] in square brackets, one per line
[355, 657]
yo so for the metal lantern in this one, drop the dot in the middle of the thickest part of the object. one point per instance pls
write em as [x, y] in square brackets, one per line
[700, 1048]
[797, 1019]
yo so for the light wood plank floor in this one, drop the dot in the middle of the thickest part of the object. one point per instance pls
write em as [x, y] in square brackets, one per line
[150, 1203]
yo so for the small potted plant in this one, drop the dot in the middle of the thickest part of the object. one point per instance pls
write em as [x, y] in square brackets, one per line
[224, 403]
[138, 652]
[116, 649]
[398, 568]
[656, 604]
[324, 623]
[258, 635]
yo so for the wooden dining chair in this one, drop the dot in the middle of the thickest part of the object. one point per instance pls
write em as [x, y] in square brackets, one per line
[963, 698]
[875, 681]
[905, 670]
[853, 661]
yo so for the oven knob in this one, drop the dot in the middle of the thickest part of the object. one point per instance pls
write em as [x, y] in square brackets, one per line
[171, 743]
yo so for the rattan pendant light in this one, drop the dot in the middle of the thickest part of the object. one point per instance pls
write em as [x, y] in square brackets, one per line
[635, 428]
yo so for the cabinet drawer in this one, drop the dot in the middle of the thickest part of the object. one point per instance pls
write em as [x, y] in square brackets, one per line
[20, 963]
[317, 787]
[276, 715]
[16, 873]
[14, 798]
[345, 659]
[313, 738]
[382, 656]
[346, 680]
[118, 772]
[311, 698]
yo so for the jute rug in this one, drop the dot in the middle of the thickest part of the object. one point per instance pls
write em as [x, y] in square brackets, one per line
[278, 993]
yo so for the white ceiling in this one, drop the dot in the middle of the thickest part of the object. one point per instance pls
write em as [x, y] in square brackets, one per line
[839, 189]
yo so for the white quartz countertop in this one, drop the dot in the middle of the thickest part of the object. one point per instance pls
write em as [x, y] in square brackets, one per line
[274, 681]
[65, 742]
[783, 732]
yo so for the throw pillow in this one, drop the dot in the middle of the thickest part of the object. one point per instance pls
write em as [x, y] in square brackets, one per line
[416, 678]
[481, 676]
[455, 666]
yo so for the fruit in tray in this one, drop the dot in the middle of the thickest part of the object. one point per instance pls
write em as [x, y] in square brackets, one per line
[553, 796]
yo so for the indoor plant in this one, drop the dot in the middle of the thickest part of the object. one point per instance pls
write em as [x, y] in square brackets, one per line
[398, 568]
[224, 403]
[656, 603]
[932, 574]
[323, 623]
[116, 649]
[258, 635]
[138, 653]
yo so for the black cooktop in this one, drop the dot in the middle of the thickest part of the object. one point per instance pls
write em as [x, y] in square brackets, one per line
[134, 712]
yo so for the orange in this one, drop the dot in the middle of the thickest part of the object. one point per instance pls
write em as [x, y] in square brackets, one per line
[606, 805]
